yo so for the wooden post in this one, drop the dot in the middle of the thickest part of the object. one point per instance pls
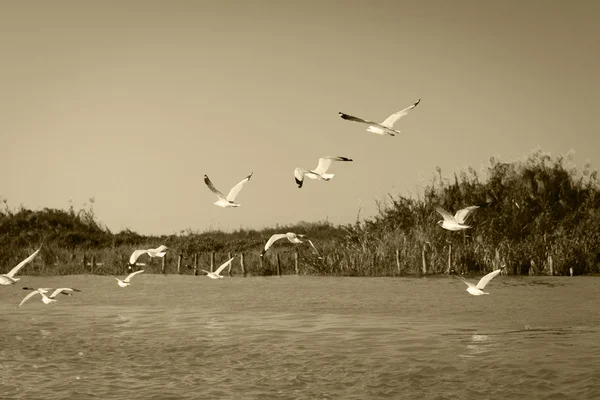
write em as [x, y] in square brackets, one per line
[84, 262]
[424, 261]
[195, 264]
[449, 258]
[164, 264]
[229, 267]
[398, 261]
[93, 264]
[242, 266]
[212, 261]
[550, 265]
[571, 271]
[296, 256]
[179, 264]
[278, 265]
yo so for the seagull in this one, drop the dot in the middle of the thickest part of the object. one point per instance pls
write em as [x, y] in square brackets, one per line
[160, 251]
[228, 201]
[319, 172]
[43, 291]
[457, 222]
[216, 274]
[8, 279]
[477, 290]
[125, 282]
[384, 128]
[292, 237]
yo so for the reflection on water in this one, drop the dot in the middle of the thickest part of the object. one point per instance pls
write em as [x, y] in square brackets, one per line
[301, 337]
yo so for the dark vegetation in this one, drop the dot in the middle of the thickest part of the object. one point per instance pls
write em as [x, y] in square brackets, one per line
[533, 213]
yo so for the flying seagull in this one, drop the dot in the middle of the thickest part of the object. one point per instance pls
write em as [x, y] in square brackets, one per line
[125, 282]
[216, 274]
[43, 291]
[477, 290]
[456, 222]
[9, 279]
[160, 251]
[292, 237]
[319, 172]
[228, 201]
[384, 128]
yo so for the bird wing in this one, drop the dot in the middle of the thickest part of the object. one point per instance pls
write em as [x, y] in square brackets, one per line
[131, 275]
[311, 243]
[30, 295]
[213, 188]
[462, 215]
[392, 119]
[222, 267]
[63, 290]
[236, 189]
[160, 249]
[16, 269]
[325, 162]
[466, 282]
[367, 122]
[135, 255]
[445, 214]
[485, 280]
[272, 240]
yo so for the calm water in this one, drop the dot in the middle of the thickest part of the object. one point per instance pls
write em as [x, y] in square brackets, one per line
[185, 337]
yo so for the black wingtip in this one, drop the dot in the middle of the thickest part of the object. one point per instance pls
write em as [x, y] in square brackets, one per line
[298, 182]
[417, 103]
[262, 253]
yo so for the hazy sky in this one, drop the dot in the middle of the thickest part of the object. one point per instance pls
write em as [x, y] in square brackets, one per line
[132, 102]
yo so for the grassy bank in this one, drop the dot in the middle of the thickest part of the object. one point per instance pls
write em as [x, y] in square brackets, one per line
[536, 215]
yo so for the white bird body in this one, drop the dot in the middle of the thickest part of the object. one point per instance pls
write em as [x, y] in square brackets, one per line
[9, 279]
[47, 299]
[387, 126]
[456, 222]
[125, 282]
[477, 290]
[217, 273]
[160, 251]
[292, 237]
[319, 172]
[229, 200]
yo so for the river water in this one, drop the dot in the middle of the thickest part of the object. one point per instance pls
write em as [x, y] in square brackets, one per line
[306, 337]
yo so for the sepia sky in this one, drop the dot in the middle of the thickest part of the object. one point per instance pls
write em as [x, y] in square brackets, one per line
[132, 102]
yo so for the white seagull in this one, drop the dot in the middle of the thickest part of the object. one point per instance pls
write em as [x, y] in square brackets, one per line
[9, 279]
[292, 237]
[228, 201]
[43, 291]
[125, 282]
[216, 274]
[477, 290]
[456, 222]
[160, 251]
[384, 128]
[319, 172]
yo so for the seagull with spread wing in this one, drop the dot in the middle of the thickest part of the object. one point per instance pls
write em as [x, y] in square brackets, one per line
[9, 279]
[160, 251]
[456, 222]
[228, 201]
[125, 282]
[292, 237]
[477, 290]
[384, 128]
[217, 273]
[319, 172]
[47, 299]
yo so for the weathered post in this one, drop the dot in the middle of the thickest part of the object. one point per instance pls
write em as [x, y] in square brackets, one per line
[398, 261]
[84, 262]
[229, 267]
[550, 265]
[449, 258]
[278, 265]
[195, 264]
[212, 261]
[242, 266]
[164, 264]
[179, 264]
[571, 271]
[296, 256]
[93, 264]
[424, 261]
